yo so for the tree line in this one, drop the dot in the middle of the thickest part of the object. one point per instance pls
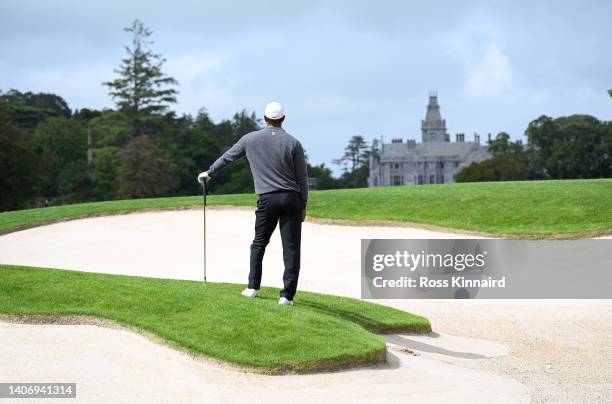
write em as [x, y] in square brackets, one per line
[50, 154]
[572, 147]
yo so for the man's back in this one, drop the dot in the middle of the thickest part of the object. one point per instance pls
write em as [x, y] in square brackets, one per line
[276, 159]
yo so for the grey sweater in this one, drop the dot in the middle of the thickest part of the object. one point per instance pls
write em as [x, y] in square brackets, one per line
[276, 159]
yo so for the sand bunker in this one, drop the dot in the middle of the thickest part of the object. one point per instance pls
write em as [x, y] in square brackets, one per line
[542, 344]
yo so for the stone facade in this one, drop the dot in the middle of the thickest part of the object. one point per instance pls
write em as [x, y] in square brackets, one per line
[434, 161]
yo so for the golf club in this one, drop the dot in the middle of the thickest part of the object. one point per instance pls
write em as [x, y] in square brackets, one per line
[204, 223]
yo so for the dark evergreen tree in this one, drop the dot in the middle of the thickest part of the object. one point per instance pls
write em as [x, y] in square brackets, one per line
[144, 170]
[356, 154]
[141, 89]
[17, 166]
[355, 163]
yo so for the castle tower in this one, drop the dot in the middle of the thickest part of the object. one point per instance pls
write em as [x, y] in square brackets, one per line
[433, 128]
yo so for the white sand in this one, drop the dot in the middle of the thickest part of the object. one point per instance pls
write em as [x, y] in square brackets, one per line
[119, 366]
[560, 350]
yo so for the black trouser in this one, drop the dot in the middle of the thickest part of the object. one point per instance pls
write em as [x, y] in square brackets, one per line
[284, 207]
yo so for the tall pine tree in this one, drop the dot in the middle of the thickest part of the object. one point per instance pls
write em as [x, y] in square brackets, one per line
[142, 88]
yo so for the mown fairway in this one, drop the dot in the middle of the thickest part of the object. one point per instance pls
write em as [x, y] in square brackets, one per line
[525, 209]
[213, 319]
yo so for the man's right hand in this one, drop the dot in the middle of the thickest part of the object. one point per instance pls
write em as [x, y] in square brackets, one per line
[203, 177]
[303, 214]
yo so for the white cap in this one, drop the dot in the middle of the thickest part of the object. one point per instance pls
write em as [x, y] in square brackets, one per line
[274, 110]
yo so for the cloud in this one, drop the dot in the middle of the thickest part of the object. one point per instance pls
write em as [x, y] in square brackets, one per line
[81, 85]
[475, 46]
[201, 82]
[489, 76]
[188, 68]
[340, 68]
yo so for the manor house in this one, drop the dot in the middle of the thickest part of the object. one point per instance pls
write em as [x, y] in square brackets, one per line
[435, 160]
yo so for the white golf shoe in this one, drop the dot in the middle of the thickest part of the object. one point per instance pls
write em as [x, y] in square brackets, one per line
[249, 293]
[285, 301]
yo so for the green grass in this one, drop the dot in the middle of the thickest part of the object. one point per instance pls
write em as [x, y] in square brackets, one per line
[524, 209]
[213, 320]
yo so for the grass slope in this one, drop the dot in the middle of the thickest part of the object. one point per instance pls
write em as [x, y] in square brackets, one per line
[319, 332]
[523, 209]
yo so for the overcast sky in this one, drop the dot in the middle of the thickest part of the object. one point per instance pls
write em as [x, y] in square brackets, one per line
[339, 67]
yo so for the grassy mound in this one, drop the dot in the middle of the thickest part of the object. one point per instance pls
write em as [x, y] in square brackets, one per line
[319, 332]
[523, 209]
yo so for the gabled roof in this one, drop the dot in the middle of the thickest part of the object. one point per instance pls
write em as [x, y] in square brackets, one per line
[405, 151]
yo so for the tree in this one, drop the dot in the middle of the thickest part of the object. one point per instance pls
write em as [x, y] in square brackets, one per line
[354, 179]
[502, 145]
[192, 149]
[203, 120]
[355, 163]
[73, 182]
[142, 88]
[509, 163]
[236, 178]
[111, 129]
[27, 110]
[356, 153]
[59, 144]
[104, 174]
[144, 170]
[322, 175]
[498, 168]
[17, 168]
[576, 146]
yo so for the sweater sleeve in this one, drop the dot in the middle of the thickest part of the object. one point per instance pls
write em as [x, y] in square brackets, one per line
[234, 153]
[301, 173]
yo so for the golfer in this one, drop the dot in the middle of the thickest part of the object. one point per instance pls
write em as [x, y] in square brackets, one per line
[279, 174]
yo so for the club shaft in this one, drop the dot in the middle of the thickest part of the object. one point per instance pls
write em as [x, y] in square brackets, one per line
[204, 223]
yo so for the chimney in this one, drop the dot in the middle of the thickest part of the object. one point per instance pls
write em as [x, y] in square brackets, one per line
[489, 137]
[476, 138]
[397, 140]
